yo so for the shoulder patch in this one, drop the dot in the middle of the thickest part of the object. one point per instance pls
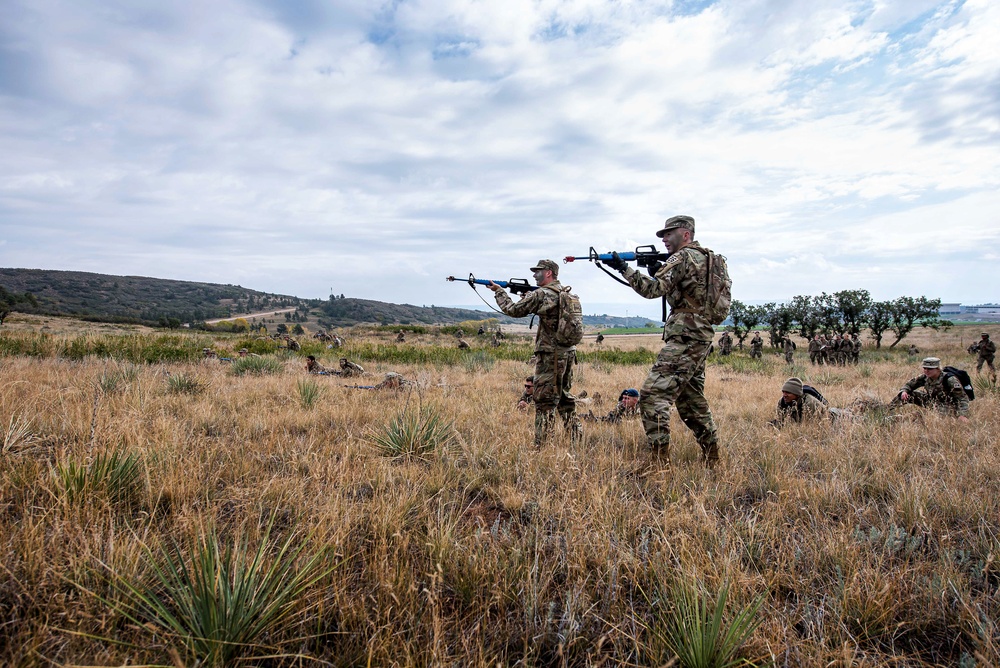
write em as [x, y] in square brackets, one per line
[673, 259]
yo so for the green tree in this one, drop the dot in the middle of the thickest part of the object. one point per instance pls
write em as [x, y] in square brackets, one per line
[745, 318]
[780, 320]
[853, 306]
[9, 301]
[908, 312]
[282, 328]
[879, 318]
[805, 315]
[298, 330]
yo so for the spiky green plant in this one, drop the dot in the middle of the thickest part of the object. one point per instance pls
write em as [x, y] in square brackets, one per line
[309, 392]
[693, 627]
[479, 362]
[182, 383]
[256, 366]
[17, 434]
[414, 433]
[115, 475]
[219, 600]
[985, 385]
[110, 381]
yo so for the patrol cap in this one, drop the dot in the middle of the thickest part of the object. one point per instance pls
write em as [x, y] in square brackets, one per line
[931, 363]
[630, 392]
[986, 334]
[672, 223]
[547, 264]
[793, 386]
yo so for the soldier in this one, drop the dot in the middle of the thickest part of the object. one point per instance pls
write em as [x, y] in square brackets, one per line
[393, 381]
[627, 406]
[312, 366]
[678, 375]
[845, 350]
[528, 396]
[939, 390]
[400, 338]
[208, 353]
[725, 344]
[815, 348]
[348, 369]
[496, 340]
[789, 347]
[987, 352]
[553, 363]
[796, 404]
[855, 349]
[756, 346]
[912, 350]
[463, 344]
[336, 341]
[600, 338]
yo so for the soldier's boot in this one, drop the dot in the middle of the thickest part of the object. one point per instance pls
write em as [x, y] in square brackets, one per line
[709, 442]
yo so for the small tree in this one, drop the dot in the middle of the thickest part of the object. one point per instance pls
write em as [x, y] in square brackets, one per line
[805, 315]
[878, 318]
[745, 318]
[853, 306]
[907, 312]
[282, 328]
[780, 320]
[9, 301]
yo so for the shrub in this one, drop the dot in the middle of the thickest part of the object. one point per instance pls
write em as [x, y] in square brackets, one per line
[479, 362]
[182, 383]
[116, 476]
[414, 434]
[255, 366]
[309, 392]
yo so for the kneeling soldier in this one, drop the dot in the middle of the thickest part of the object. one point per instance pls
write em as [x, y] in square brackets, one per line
[943, 391]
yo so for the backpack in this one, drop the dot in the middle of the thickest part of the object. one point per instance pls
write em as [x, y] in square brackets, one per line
[963, 377]
[719, 292]
[813, 392]
[569, 330]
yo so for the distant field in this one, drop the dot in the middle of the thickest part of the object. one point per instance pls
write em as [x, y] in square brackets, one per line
[422, 528]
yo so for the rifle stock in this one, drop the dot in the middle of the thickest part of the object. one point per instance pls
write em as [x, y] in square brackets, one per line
[516, 285]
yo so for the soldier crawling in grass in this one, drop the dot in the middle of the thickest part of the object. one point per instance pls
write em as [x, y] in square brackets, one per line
[934, 388]
[553, 377]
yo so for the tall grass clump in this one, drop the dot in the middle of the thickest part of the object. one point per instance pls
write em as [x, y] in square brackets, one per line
[256, 366]
[309, 392]
[692, 626]
[182, 383]
[116, 476]
[414, 434]
[985, 385]
[219, 600]
[479, 362]
[16, 435]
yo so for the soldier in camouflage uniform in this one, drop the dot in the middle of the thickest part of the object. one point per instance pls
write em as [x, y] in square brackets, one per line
[725, 344]
[349, 369]
[553, 363]
[789, 347]
[796, 404]
[627, 406]
[941, 391]
[855, 349]
[678, 375]
[987, 351]
[756, 346]
[815, 346]
[528, 397]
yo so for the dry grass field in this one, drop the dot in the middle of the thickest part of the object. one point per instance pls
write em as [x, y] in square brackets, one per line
[178, 514]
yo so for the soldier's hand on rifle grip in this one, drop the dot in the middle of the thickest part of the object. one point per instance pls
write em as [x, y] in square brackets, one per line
[616, 262]
[654, 267]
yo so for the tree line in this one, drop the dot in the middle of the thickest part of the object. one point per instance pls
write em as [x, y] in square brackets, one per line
[846, 312]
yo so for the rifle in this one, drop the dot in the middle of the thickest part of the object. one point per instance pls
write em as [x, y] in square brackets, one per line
[646, 257]
[516, 285]
[361, 387]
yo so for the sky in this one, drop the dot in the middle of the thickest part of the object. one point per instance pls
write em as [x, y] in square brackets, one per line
[372, 149]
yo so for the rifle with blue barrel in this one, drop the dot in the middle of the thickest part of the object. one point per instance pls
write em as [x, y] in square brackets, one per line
[646, 257]
[515, 285]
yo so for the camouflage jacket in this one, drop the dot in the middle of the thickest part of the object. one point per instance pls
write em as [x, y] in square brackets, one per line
[756, 343]
[621, 411]
[815, 346]
[683, 281]
[987, 349]
[807, 406]
[543, 302]
[943, 390]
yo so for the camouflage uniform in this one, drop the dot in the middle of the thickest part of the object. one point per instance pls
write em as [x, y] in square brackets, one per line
[844, 351]
[789, 348]
[348, 369]
[944, 392]
[987, 352]
[553, 363]
[678, 375]
[806, 406]
[815, 356]
[463, 344]
[756, 346]
[401, 338]
[855, 349]
[393, 381]
[725, 344]
[619, 412]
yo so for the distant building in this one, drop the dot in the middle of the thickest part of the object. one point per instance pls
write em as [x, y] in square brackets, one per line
[983, 309]
[950, 309]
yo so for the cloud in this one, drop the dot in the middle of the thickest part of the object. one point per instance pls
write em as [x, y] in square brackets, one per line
[378, 148]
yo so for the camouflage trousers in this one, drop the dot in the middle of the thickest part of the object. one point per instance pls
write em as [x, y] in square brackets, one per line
[553, 382]
[755, 353]
[789, 356]
[988, 361]
[816, 357]
[678, 379]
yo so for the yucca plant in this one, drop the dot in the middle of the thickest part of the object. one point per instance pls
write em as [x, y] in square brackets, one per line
[256, 366]
[690, 625]
[985, 385]
[110, 382]
[17, 434]
[219, 600]
[479, 362]
[309, 392]
[114, 475]
[181, 383]
[414, 433]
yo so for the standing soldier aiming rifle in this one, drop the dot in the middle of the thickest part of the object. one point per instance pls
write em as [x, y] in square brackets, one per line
[696, 285]
[554, 354]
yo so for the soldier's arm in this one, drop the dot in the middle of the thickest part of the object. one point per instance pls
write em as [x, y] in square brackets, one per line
[660, 285]
[529, 304]
[913, 384]
[958, 395]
